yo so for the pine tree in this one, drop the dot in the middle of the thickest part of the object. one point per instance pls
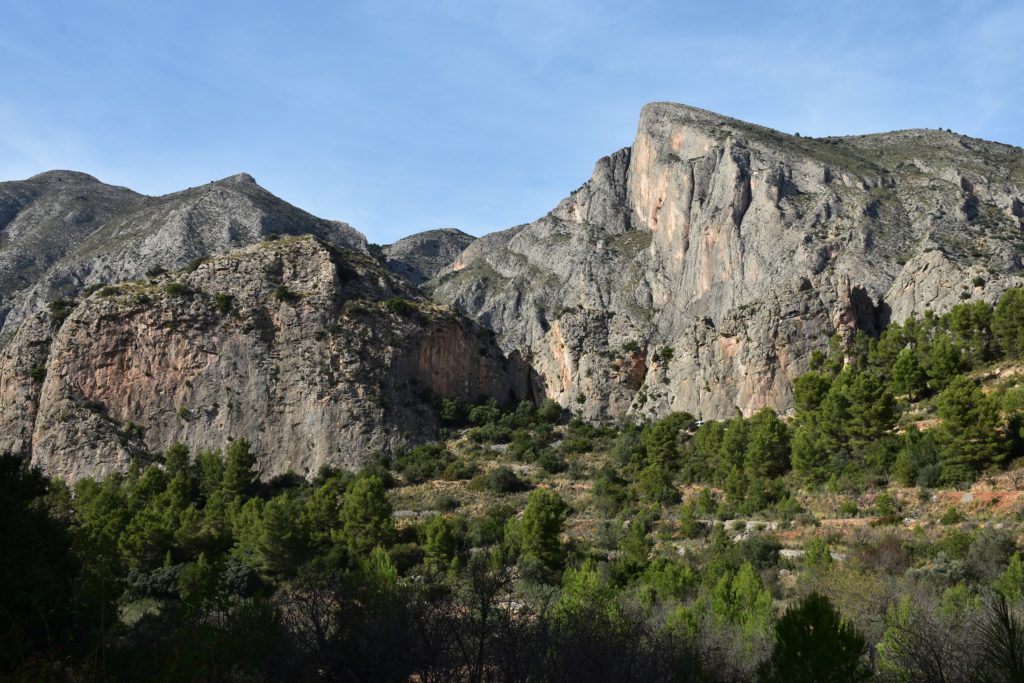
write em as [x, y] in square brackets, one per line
[176, 459]
[908, 377]
[733, 451]
[742, 600]
[1008, 323]
[813, 644]
[538, 531]
[366, 517]
[1011, 583]
[438, 544]
[211, 472]
[239, 478]
[322, 511]
[247, 530]
[284, 540]
[970, 326]
[810, 459]
[817, 555]
[767, 454]
[944, 362]
[971, 431]
[661, 439]
[871, 409]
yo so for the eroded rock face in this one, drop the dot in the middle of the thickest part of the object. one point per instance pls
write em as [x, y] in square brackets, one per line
[419, 257]
[62, 231]
[299, 347]
[698, 269]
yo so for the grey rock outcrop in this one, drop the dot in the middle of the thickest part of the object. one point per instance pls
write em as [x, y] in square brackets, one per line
[419, 257]
[698, 269]
[63, 231]
[317, 355]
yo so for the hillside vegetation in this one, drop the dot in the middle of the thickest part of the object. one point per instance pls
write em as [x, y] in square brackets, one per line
[872, 534]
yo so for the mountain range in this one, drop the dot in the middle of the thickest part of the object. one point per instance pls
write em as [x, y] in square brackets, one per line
[697, 270]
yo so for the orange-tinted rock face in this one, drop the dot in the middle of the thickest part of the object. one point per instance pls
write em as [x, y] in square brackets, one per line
[288, 344]
[22, 371]
[742, 249]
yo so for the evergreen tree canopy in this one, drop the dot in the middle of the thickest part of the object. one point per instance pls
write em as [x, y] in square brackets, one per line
[813, 645]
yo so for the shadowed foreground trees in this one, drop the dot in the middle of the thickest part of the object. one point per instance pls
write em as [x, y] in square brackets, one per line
[813, 645]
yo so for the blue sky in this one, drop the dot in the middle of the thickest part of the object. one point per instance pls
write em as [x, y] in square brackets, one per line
[400, 116]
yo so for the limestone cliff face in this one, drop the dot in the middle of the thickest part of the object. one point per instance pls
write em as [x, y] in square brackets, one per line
[698, 269]
[62, 231]
[316, 355]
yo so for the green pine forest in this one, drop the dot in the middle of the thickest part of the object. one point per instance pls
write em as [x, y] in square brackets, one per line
[872, 535]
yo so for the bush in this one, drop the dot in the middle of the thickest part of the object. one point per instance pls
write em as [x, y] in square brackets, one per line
[488, 413]
[525, 446]
[223, 303]
[194, 264]
[451, 411]
[460, 470]
[94, 406]
[446, 502]
[176, 289]
[551, 462]
[489, 528]
[423, 462]
[951, 516]
[282, 293]
[61, 309]
[399, 306]
[988, 554]
[549, 411]
[500, 480]
[579, 444]
[490, 433]
[848, 509]
[379, 471]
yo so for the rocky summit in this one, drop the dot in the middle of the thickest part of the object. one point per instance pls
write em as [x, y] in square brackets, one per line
[63, 231]
[696, 270]
[314, 354]
[419, 257]
[699, 268]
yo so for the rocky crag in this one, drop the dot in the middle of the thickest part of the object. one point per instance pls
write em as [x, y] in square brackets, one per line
[315, 354]
[419, 257]
[63, 231]
[698, 269]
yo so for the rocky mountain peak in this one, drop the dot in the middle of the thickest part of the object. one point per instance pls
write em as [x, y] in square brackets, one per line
[421, 256]
[238, 179]
[63, 176]
[61, 232]
[697, 269]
